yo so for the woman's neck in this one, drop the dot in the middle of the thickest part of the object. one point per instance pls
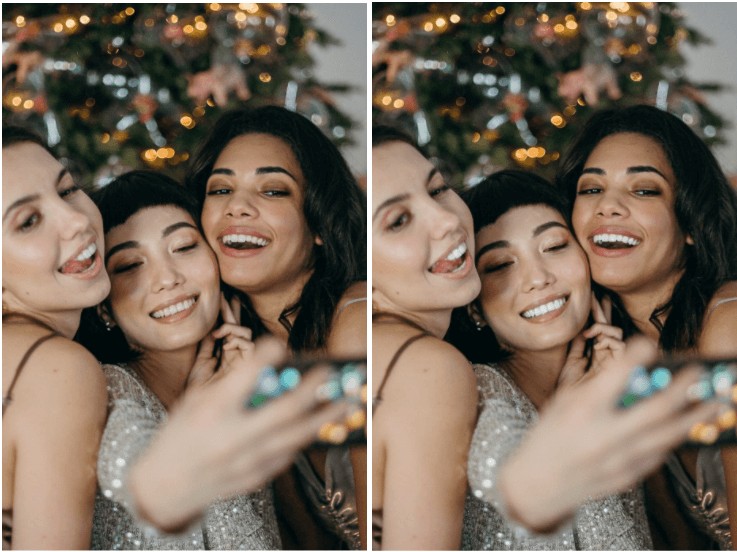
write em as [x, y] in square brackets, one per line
[166, 373]
[435, 323]
[66, 323]
[536, 373]
[641, 303]
[269, 305]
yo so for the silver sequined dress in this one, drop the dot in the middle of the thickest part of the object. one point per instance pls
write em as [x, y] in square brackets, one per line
[613, 523]
[245, 522]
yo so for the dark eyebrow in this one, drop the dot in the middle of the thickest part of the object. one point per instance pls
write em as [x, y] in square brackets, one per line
[124, 245]
[34, 197]
[259, 170]
[547, 225]
[176, 226]
[133, 244]
[630, 170]
[504, 243]
[397, 199]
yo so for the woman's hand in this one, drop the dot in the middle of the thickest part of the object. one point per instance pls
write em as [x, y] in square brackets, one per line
[591, 446]
[608, 345]
[237, 349]
[213, 447]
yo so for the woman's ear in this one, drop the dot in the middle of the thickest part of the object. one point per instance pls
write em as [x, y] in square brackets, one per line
[318, 241]
[689, 239]
[476, 315]
[107, 319]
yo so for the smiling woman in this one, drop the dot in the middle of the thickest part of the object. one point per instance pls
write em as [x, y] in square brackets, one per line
[658, 220]
[52, 269]
[287, 222]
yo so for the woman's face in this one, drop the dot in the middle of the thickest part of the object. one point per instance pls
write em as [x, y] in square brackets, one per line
[422, 232]
[535, 283]
[52, 236]
[624, 215]
[253, 216]
[165, 285]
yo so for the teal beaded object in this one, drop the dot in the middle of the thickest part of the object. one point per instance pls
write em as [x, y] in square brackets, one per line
[717, 383]
[347, 382]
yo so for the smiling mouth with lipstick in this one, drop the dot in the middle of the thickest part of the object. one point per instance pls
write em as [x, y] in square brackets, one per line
[177, 310]
[613, 240]
[549, 309]
[453, 263]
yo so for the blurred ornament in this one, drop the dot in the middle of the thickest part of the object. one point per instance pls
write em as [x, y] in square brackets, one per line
[548, 27]
[589, 81]
[680, 101]
[113, 168]
[180, 29]
[218, 81]
[249, 31]
[482, 168]
[311, 102]
[621, 29]
[397, 94]
[26, 97]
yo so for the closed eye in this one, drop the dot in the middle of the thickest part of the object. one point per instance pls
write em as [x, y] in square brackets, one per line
[126, 267]
[558, 247]
[186, 248]
[218, 191]
[497, 267]
[589, 191]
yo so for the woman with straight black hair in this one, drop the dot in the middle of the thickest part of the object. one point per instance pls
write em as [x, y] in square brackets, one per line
[657, 219]
[287, 222]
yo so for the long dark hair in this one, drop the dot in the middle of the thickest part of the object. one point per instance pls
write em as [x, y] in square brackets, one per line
[705, 208]
[490, 199]
[334, 208]
[118, 201]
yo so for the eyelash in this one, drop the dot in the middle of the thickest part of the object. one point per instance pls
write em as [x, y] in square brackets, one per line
[440, 190]
[30, 222]
[399, 222]
[496, 268]
[186, 248]
[125, 268]
[69, 191]
[558, 247]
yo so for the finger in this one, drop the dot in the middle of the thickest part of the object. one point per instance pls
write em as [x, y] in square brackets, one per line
[597, 311]
[235, 307]
[233, 389]
[226, 311]
[206, 348]
[605, 342]
[606, 305]
[615, 372]
[602, 330]
[237, 343]
[232, 330]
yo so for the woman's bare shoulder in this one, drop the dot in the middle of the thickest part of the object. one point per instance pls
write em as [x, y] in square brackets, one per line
[719, 333]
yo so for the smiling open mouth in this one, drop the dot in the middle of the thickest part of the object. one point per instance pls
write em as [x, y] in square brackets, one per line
[614, 241]
[541, 310]
[244, 241]
[81, 262]
[171, 310]
[454, 262]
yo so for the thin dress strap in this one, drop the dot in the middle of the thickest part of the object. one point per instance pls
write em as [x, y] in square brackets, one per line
[378, 398]
[8, 398]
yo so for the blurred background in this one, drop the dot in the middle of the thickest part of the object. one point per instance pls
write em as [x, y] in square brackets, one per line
[486, 86]
[114, 87]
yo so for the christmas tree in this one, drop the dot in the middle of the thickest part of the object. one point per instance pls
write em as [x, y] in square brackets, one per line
[489, 86]
[114, 87]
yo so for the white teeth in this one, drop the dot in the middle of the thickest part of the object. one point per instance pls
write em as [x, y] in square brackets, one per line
[174, 309]
[243, 238]
[457, 253]
[544, 309]
[612, 238]
[87, 253]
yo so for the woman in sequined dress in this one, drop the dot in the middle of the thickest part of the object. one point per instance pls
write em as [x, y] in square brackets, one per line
[287, 222]
[164, 301]
[535, 300]
[658, 219]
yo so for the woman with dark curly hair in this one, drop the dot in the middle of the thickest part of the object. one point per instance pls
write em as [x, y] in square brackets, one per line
[658, 219]
[287, 222]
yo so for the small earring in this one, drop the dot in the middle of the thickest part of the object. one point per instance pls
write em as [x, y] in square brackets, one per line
[479, 325]
[108, 325]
